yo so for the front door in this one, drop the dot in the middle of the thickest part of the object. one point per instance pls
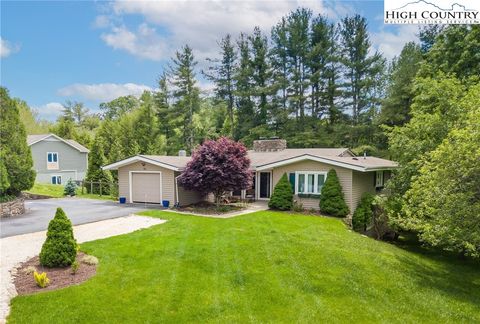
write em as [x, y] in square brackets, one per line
[265, 178]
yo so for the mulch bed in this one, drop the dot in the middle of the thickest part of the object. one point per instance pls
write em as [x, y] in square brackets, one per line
[210, 208]
[59, 277]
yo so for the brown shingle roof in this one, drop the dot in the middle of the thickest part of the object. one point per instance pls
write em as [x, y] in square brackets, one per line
[263, 159]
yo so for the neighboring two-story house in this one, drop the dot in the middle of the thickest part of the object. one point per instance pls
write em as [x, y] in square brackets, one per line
[56, 159]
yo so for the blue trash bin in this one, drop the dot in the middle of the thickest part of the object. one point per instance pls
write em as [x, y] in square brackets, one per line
[122, 200]
[165, 203]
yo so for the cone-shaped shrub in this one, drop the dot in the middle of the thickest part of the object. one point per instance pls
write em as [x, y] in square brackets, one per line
[363, 214]
[59, 249]
[282, 197]
[331, 199]
[70, 188]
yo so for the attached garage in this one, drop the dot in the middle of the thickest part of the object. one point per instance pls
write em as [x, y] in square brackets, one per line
[146, 186]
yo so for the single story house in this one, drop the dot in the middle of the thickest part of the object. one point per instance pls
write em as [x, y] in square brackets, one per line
[153, 178]
[56, 159]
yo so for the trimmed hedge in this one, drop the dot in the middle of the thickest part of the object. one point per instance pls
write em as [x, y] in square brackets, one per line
[331, 199]
[282, 197]
[363, 215]
[60, 247]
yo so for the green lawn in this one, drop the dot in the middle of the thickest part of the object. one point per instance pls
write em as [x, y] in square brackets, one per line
[56, 191]
[262, 267]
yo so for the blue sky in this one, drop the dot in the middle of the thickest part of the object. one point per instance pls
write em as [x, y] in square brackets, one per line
[94, 51]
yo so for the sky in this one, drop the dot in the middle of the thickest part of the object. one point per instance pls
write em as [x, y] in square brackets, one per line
[95, 51]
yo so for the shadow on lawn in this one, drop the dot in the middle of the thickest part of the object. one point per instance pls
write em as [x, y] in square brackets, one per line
[454, 275]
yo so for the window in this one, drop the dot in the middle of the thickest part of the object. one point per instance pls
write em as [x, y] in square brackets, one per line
[309, 182]
[379, 179]
[52, 160]
[56, 179]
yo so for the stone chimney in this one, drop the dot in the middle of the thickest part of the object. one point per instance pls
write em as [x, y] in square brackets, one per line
[269, 145]
[182, 153]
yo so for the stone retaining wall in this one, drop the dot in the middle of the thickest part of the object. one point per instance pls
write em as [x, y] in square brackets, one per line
[12, 208]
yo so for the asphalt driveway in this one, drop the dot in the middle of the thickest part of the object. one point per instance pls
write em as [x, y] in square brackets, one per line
[80, 211]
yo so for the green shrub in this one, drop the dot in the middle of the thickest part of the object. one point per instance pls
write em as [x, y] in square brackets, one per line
[60, 248]
[282, 197]
[70, 188]
[74, 267]
[331, 199]
[362, 217]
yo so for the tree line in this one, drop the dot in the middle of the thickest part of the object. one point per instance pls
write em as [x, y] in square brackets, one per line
[320, 84]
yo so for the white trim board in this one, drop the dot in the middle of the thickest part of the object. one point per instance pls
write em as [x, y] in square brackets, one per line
[138, 158]
[130, 178]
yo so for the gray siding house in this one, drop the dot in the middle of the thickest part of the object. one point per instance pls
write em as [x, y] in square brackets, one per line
[56, 159]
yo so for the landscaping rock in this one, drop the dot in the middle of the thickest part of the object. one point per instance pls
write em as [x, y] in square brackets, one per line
[12, 208]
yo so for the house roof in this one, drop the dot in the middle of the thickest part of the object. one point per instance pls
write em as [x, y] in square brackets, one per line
[32, 139]
[266, 160]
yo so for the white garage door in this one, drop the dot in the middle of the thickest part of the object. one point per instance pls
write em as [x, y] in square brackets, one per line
[146, 187]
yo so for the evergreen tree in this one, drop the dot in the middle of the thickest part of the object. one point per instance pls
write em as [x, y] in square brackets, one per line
[222, 74]
[4, 181]
[361, 69]
[282, 197]
[146, 127]
[70, 188]
[95, 173]
[298, 27]
[165, 114]
[243, 81]
[324, 69]
[396, 106]
[13, 144]
[261, 74]
[60, 247]
[332, 201]
[185, 93]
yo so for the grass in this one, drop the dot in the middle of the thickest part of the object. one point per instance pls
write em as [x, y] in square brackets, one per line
[262, 267]
[56, 191]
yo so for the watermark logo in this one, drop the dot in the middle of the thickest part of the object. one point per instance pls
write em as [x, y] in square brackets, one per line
[444, 12]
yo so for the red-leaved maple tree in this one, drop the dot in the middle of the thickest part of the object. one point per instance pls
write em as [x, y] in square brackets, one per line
[217, 167]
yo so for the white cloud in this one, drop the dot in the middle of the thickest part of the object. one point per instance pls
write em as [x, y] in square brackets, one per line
[144, 43]
[101, 21]
[391, 43]
[49, 111]
[103, 91]
[6, 48]
[199, 23]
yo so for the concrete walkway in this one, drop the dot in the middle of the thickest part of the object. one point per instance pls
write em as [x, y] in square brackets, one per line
[20, 248]
[251, 208]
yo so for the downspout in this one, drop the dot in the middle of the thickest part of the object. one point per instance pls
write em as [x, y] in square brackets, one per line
[176, 200]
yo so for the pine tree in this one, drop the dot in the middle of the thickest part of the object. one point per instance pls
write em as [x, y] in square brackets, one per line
[95, 173]
[186, 93]
[332, 201]
[324, 65]
[13, 144]
[298, 23]
[60, 247]
[361, 69]
[222, 74]
[261, 75]
[396, 106]
[70, 188]
[243, 90]
[282, 197]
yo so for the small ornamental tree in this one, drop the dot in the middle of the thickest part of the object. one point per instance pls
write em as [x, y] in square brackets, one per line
[70, 188]
[331, 199]
[282, 197]
[60, 248]
[217, 167]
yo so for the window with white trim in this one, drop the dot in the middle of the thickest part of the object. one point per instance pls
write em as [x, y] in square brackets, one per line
[379, 179]
[309, 182]
[56, 179]
[52, 160]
